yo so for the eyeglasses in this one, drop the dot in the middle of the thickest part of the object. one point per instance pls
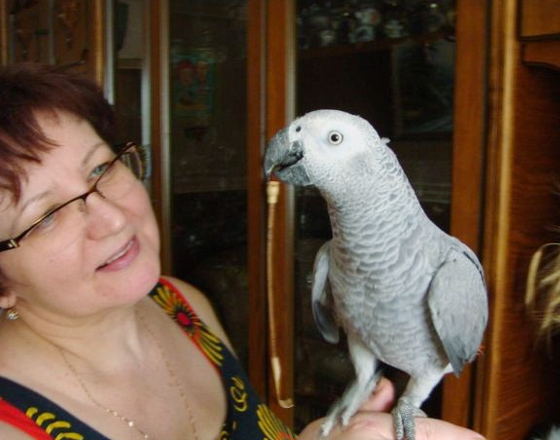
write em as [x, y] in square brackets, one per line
[116, 178]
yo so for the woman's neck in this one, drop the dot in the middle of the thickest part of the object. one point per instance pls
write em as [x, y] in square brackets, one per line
[107, 341]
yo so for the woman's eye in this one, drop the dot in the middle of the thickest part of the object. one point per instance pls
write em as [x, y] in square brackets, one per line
[99, 170]
[46, 222]
[335, 137]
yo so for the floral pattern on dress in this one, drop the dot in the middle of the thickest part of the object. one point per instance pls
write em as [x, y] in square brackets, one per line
[52, 425]
[247, 417]
[271, 426]
[175, 307]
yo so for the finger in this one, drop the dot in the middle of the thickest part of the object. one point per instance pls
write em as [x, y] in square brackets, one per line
[382, 398]
[379, 426]
[434, 429]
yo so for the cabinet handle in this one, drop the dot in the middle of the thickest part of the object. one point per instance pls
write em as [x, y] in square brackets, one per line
[272, 192]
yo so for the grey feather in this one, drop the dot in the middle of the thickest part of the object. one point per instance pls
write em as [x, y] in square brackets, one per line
[454, 297]
[322, 301]
[406, 293]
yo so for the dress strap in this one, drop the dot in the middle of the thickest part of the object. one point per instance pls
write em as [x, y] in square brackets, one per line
[40, 417]
[172, 301]
[13, 416]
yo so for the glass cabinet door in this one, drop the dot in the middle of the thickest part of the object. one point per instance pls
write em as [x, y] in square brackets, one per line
[391, 62]
[207, 135]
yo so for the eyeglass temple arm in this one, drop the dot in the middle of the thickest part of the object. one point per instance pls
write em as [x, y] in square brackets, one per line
[8, 244]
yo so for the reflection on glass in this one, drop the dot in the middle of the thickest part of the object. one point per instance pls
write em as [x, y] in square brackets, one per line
[391, 62]
[208, 109]
[130, 64]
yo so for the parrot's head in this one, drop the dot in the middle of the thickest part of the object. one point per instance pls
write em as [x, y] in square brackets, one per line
[323, 146]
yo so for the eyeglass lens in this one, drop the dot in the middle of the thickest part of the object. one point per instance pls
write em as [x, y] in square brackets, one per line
[61, 227]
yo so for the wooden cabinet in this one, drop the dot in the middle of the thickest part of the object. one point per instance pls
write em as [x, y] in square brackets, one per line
[502, 161]
[539, 18]
[363, 79]
[504, 165]
[539, 30]
[518, 380]
[61, 32]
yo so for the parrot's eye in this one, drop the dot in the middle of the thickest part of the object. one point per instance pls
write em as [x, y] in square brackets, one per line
[298, 128]
[335, 138]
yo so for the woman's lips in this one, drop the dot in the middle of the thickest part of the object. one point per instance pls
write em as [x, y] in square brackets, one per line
[122, 258]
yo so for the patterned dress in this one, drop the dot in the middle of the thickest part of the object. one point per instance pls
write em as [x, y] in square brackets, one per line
[247, 417]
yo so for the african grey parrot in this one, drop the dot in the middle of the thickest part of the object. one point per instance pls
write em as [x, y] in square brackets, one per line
[406, 293]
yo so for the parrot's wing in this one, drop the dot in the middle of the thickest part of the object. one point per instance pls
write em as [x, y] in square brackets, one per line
[458, 305]
[322, 301]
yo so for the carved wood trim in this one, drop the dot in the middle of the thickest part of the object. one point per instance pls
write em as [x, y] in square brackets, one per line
[542, 53]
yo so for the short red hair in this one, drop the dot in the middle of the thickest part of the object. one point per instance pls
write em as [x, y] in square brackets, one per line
[29, 88]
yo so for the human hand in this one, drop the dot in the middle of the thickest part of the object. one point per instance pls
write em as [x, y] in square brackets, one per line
[372, 422]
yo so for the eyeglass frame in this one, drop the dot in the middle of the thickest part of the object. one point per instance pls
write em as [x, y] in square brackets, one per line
[13, 243]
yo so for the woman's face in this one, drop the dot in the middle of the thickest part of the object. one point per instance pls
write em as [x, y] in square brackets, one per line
[106, 257]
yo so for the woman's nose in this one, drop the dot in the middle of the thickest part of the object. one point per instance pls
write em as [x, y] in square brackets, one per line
[104, 217]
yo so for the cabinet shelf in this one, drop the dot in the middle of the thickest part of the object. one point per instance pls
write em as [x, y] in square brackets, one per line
[210, 184]
[375, 45]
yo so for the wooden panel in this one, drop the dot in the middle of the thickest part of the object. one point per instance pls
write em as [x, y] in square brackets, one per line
[278, 39]
[31, 32]
[468, 166]
[63, 32]
[71, 22]
[256, 228]
[520, 386]
[3, 32]
[540, 18]
[95, 50]
[542, 53]
[503, 52]
[526, 385]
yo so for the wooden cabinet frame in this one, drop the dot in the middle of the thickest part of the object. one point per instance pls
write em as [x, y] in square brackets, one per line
[518, 384]
[505, 152]
[89, 58]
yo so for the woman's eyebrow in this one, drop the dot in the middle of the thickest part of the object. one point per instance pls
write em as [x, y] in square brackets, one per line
[92, 151]
[31, 201]
[44, 194]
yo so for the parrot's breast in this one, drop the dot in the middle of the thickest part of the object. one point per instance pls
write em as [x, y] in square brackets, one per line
[379, 276]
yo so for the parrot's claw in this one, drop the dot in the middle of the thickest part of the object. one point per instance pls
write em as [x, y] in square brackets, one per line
[327, 426]
[339, 412]
[403, 419]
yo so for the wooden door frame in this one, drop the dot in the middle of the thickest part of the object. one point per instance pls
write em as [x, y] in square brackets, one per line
[271, 103]
[459, 398]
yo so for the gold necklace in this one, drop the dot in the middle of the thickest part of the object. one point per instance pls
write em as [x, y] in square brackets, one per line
[129, 422]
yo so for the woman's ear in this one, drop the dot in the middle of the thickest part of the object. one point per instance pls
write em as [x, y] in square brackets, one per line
[7, 299]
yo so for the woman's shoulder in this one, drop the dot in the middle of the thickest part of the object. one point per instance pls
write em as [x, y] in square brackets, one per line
[201, 305]
[8, 432]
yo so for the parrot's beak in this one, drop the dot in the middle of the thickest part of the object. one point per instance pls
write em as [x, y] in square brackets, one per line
[269, 171]
[281, 154]
[275, 151]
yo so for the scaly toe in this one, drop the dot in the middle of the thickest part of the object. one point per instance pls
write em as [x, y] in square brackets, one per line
[403, 419]
[327, 426]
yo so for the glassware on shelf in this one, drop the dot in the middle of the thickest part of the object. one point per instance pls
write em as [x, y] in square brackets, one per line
[321, 24]
[427, 17]
[395, 19]
[369, 18]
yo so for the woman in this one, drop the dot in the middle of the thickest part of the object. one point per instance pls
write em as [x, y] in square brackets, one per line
[93, 340]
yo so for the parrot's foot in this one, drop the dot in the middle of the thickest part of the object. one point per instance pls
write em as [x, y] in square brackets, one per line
[403, 418]
[354, 395]
[327, 426]
[339, 412]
